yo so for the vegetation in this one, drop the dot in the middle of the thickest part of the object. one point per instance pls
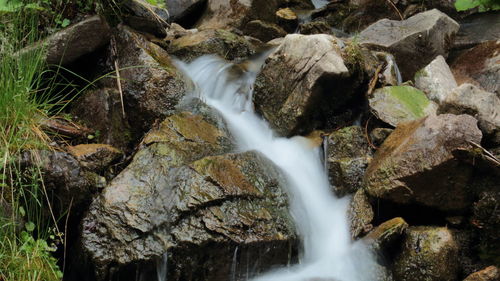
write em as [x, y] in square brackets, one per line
[483, 5]
[28, 232]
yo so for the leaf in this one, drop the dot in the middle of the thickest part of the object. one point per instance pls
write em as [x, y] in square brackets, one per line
[65, 22]
[22, 212]
[463, 5]
[30, 226]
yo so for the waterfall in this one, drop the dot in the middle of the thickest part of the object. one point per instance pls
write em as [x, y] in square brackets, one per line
[161, 268]
[320, 217]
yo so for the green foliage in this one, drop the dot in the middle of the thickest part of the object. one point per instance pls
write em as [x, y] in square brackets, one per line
[484, 5]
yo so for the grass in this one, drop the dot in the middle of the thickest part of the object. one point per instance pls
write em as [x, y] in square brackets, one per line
[25, 230]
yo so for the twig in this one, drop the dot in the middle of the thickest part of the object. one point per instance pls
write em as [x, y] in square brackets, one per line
[367, 136]
[488, 155]
[396, 9]
[114, 55]
[66, 234]
[374, 80]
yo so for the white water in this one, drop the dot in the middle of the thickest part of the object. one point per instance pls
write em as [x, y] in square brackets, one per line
[321, 220]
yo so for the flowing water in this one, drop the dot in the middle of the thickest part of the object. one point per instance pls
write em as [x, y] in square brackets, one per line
[320, 217]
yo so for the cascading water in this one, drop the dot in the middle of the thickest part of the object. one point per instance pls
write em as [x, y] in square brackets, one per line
[321, 219]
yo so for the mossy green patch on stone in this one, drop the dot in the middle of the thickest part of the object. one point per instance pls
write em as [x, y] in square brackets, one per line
[397, 104]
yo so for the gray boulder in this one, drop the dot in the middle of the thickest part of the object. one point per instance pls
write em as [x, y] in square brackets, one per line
[416, 163]
[484, 106]
[182, 9]
[436, 79]
[69, 44]
[300, 79]
[183, 195]
[473, 32]
[147, 17]
[414, 42]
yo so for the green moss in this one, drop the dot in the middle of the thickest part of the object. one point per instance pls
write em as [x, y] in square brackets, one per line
[421, 73]
[411, 98]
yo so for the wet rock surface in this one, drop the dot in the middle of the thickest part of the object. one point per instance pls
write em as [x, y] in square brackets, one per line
[428, 253]
[473, 32]
[192, 202]
[348, 155]
[360, 214]
[414, 42]
[95, 157]
[152, 85]
[147, 17]
[416, 162]
[290, 89]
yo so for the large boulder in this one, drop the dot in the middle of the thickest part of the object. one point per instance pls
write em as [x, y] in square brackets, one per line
[414, 42]
[229, 13]
[484, 106]
[224, 43]
[347, 156]
[152, 86]
[385, 236]
[479, 66]
[486, 218]
[436, 79]
[79, 39]
[302, 80]
[263, 30]
[95, 157]
[396, 104]
[183, 196]
[416, 163]
[428, 253]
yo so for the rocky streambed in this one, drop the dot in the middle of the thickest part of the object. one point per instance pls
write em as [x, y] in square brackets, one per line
[405, 107]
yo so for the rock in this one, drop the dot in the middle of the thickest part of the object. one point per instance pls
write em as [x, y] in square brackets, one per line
[378, 135]
[287, 19]
[414, 42]
[416, 163]
[175, 198]
[224, 14]
[263, 30]
[65, 180]
[315, 27]
[301, 79]
[396, 104]
[180, 10]
[436, 80]
[152, 86]
[360, 214]
[221, 42]
[65, 129]
[385, 236]
[101, 110]
[428, 253]
[486, 219]
[484, 106]
[147, 17]
[347, 155]
[390, 75]
[71, 43]
[491, 273]
[95, 157]
[479, 66]
[473, 32]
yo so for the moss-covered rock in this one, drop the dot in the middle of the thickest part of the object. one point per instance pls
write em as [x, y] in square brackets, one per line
[348, 155]
[491, 273]
[416, 163]
[396, 104]
[384, 236]
[428, 253]
[95, 157]
[360, 214]
[185, 195]
[263, 30]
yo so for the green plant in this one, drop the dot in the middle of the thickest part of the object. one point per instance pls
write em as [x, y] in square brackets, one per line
[484, 5]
